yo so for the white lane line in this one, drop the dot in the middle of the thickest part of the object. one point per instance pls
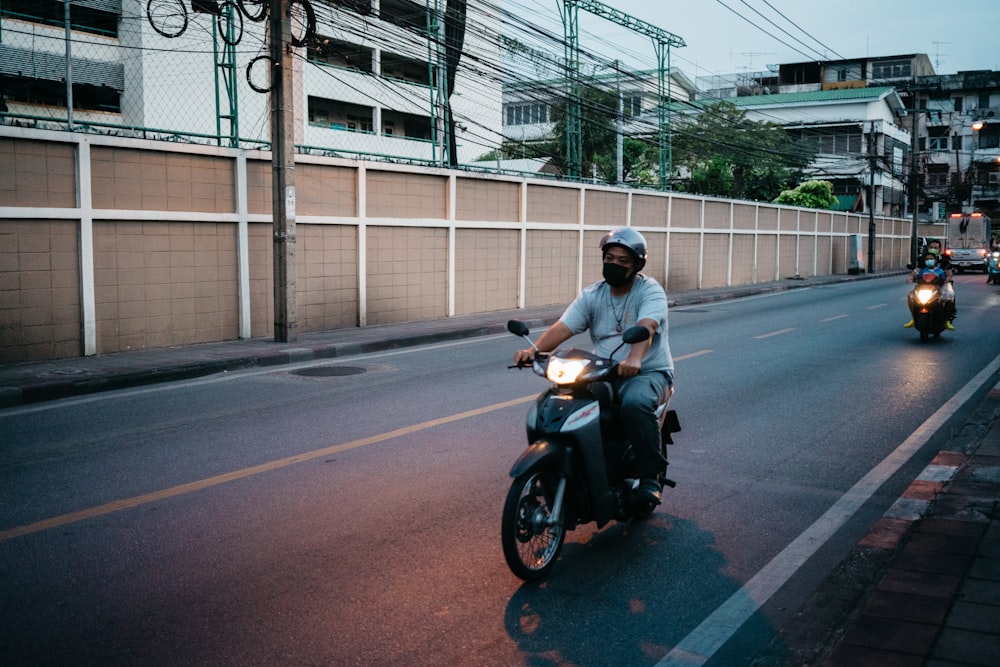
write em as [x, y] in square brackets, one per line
[835, 317]
[702, 643]
[774, 333]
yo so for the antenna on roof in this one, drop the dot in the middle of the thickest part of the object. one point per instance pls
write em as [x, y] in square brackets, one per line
[937, 54]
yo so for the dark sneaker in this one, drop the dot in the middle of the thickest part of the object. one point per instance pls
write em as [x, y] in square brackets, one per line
[649, 490]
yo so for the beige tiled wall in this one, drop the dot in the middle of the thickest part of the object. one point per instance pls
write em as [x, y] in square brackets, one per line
[259, 187]
[401, 195]
[487, 200]
[649, 211]
[685, 212]
[717, 215]
[34, 173]
[715, 263]
[326, 190]
[160, 284]
[744, 217]
[551, 267]
[486, 270]
[608, 209]
[163, 283]
[159, 181]
[682, 270]
[742, 259]
[407, 274]
[548, 203]
[327, 279]
[261, 250]
[39, 290]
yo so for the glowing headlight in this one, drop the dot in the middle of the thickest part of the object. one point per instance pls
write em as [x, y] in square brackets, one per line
[565, 371]
[924, 296]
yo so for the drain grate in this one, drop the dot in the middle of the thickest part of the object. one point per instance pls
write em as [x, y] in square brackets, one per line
[328, 371]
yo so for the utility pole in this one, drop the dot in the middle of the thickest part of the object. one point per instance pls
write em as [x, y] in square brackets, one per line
[913, 187]
[871, 197]
[283, 172]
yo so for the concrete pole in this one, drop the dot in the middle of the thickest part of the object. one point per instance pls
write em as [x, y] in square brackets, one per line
[283, 172]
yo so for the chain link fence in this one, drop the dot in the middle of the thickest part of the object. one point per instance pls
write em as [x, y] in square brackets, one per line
[370, 78]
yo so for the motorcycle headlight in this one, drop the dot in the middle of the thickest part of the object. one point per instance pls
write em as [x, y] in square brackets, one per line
[924, 296]
[565, 371]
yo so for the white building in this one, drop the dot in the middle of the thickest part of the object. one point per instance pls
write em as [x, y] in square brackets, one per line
[362, 86]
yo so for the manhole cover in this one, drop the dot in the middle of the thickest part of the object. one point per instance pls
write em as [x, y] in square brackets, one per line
[329, 371]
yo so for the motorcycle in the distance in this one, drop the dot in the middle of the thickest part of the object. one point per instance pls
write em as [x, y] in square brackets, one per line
[928, 311]
[578, 466]
[993, 267]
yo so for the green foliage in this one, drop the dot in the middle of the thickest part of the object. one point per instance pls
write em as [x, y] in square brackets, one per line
[728, 155]
[811, 194]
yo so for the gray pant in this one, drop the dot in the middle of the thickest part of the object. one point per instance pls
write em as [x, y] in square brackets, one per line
[640, 395]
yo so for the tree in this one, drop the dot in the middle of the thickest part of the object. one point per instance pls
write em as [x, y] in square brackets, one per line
[598, 109]
[811, 194]
[726, 154]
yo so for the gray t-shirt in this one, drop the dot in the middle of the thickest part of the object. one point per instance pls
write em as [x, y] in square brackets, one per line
[598, 311]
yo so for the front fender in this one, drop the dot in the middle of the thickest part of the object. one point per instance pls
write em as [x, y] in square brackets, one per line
[539, 452]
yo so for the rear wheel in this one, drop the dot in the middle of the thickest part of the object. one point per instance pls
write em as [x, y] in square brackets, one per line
[531, 535]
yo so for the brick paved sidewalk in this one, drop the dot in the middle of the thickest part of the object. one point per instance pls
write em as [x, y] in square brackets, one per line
[938, 602]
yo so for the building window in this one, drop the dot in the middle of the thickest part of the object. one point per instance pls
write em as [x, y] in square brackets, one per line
[632, 105]
[895, 69]
[984, 101]
[937, 139]
[405, 14]
[405, 69]
[52, 12]
[43, 92]
[340, 115]
[937, 176]
[340, 54]
[411, 126]
[526, 114]
[958, 103]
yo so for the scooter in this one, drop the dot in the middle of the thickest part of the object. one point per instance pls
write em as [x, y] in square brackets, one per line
[929, 312]
[578, 466]
[993, 267]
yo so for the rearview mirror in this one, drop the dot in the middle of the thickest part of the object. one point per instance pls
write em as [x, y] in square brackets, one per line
[635, 334]
[517, 327]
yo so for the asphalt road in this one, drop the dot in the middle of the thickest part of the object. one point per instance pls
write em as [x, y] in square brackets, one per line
[348, 513]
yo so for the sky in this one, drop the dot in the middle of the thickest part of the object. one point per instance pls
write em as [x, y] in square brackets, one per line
[956, 35]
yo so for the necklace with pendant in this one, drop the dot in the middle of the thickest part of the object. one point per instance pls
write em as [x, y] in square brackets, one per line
[618, 318]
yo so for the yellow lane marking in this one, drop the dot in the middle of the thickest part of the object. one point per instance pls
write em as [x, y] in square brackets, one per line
[693, 355]
[774, 333]
[145, 499]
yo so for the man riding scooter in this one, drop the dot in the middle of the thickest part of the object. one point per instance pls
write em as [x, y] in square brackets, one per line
[943, 262]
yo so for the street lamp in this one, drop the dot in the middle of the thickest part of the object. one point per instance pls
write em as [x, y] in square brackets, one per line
[976, 126]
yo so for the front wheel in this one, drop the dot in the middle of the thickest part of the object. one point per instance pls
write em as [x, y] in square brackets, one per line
[531, 534]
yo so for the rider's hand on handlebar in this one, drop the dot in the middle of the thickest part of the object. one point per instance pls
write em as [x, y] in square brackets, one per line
[627, 368]
[524, 357]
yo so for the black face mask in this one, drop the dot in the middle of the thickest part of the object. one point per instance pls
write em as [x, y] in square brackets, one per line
[616, 275]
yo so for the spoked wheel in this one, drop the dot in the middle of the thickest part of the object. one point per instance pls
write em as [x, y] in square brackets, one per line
[532, 537]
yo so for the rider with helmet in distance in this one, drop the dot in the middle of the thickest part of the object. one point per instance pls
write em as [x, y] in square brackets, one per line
[625, 298]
